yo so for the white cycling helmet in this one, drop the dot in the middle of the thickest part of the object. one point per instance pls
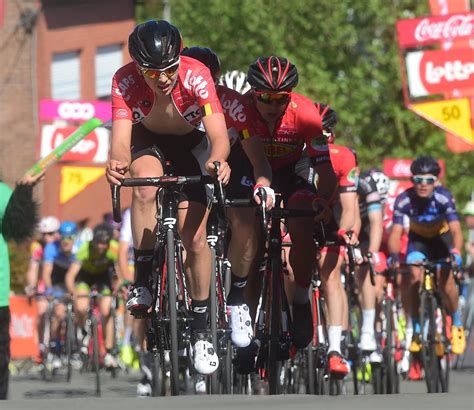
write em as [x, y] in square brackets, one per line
[49, 224]
[382, 181]
[236, 80]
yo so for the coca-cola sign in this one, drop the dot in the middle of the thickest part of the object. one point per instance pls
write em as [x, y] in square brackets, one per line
[440, 71]
[93, 148]
[429, 30]
[400, 168]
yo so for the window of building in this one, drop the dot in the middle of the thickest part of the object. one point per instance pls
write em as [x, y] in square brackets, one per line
[66, 76]
[107, 61]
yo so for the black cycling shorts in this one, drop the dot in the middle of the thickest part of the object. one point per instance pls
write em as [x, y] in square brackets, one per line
[241, 181]
[433, 248]
[186, 153]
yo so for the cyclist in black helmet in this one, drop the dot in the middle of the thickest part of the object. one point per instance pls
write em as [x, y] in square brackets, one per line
[250, 171]
[434, 233]
[165, 107]
[94, 267]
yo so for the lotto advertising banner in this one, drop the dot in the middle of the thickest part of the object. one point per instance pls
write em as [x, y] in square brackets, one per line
[438, 77]
[93, 148]
[433, 29]
[440, 72]
[23, 327]
[74, 111]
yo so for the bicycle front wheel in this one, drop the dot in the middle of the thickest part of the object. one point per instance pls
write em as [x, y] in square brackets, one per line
[428, 339]
[173, 334]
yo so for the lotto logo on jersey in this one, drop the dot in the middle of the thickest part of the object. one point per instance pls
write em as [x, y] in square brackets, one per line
[234, 109]
[123, 86]
[196, 84]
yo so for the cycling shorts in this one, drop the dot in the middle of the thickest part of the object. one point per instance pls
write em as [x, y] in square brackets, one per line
[241, 181]
[433, 248]
[186, 153]
[102, 282]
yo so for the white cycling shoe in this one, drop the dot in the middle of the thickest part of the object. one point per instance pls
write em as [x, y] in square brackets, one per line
[203, 355]
[241, 325]
[367, 342]
[139, 299]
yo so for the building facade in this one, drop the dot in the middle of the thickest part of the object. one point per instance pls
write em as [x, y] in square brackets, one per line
[58, 58]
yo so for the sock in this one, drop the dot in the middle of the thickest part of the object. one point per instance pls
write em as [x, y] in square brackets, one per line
[334, 334]
[301, 296]
[368, 319]
[143, 266]
[237, 288]
[127, 335]
[199, 308]
[457, 318]
[416, 324]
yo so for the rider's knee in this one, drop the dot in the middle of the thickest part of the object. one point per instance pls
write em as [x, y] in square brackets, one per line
[194, 242]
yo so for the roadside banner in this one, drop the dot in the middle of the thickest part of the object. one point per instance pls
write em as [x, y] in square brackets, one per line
[23, 327]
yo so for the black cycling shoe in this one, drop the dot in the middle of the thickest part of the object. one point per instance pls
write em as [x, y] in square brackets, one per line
[302, 326]
[244, 361]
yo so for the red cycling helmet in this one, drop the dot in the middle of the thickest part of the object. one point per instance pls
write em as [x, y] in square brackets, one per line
[274, 74]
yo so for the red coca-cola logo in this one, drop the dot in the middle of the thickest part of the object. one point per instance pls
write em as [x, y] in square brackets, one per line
[85, 150]
[434, 29]
[455, 27]
[397, 168]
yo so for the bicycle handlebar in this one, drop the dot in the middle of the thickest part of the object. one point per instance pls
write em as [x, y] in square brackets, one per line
[163, 181]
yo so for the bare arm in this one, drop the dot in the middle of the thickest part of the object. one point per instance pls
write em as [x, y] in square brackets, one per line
[120, 151]
[358, 222]
[348, 215]
[32, 275]
[394, 238]
[262, 171]
[456, 232]
[216, 130]
[47, 271]
[376, 229]
[71, 275]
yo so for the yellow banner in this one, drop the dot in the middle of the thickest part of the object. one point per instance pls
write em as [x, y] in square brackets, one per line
[75, 179]
[453, 116]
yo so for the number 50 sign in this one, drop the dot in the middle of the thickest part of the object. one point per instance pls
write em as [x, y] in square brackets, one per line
[454, 116]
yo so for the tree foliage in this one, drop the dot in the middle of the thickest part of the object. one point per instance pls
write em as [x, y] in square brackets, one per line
[346, 53]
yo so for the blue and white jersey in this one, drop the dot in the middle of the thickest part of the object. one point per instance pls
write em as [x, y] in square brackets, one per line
[429, 217]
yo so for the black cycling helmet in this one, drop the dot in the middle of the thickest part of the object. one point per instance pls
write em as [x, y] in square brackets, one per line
[425, 164]
[272, 74]
[155, 44]
[206, 56]
[328, 116]
[102, 233]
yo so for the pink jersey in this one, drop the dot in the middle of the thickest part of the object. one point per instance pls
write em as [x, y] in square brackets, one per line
[299, 124]
[239, 118]
[194, 94]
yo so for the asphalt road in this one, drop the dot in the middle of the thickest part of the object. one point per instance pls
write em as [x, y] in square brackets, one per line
[28, 391]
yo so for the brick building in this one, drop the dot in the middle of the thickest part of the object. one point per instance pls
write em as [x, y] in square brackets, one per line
[64, 52]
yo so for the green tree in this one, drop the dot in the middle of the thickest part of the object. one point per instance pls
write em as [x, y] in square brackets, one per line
[347, 55]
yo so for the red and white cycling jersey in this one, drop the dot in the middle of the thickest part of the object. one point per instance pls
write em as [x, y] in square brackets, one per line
[299, 124]
[194, 94]
[239, 118]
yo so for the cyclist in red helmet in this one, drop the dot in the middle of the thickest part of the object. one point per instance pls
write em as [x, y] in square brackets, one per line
[286, 122]
[165, 105]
